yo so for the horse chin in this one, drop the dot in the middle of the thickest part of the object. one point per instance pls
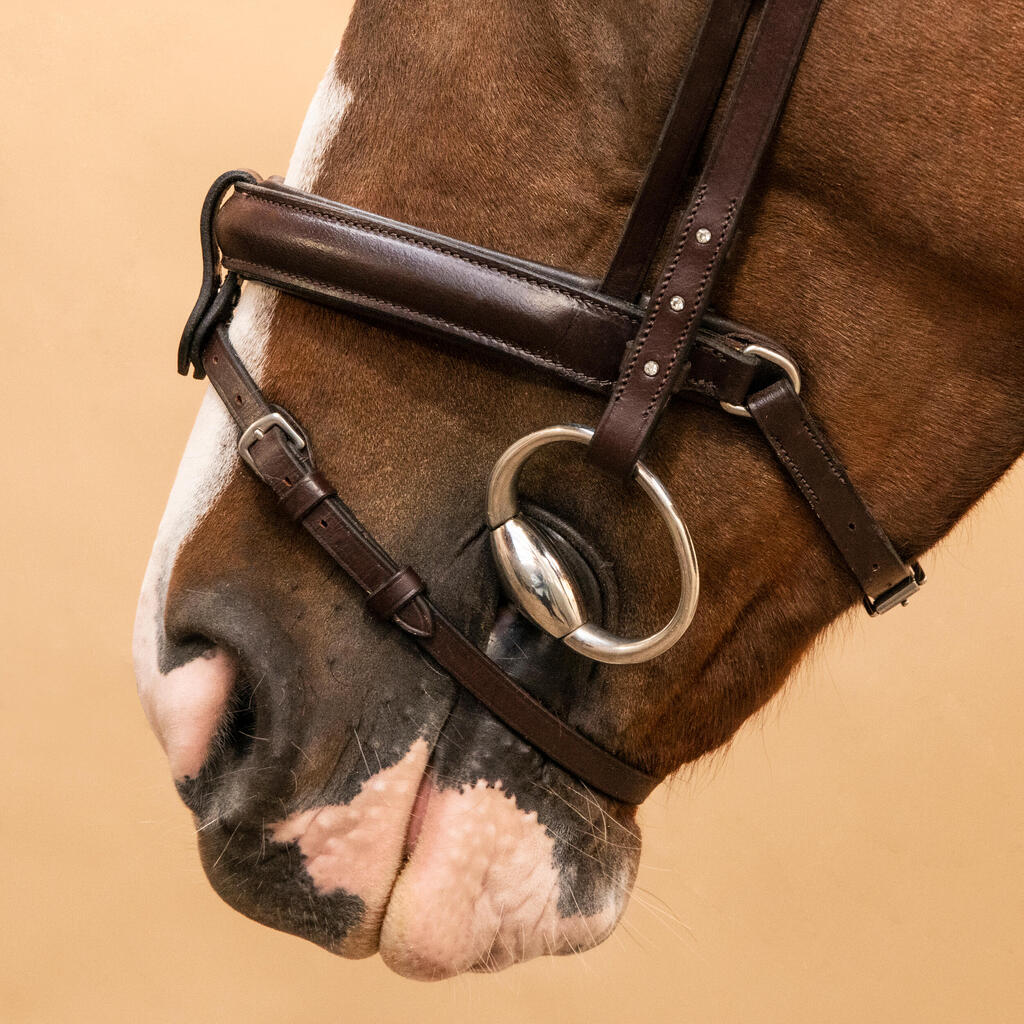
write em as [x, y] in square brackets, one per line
[439, 879]
[482, 890]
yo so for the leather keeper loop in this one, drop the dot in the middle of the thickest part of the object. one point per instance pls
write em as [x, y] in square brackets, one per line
[390, 598]
[305, 494]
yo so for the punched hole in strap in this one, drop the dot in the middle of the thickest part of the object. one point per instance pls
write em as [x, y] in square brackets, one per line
[393, 595]
[305, 494]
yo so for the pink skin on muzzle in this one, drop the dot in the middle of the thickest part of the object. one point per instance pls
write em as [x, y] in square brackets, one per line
[185, 707]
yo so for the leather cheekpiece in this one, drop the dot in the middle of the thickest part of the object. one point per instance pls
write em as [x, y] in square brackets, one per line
[701, 241]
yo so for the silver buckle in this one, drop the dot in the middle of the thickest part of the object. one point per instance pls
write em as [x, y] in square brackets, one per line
[899, 594]
[769, 355]
[258, 428]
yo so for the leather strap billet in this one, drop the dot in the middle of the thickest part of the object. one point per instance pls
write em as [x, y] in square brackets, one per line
[394, 592]
[687, 119]
[802, 448]
[659, 355]
[384, 270]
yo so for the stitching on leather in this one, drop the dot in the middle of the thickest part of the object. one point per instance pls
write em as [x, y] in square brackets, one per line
[821, 448]
[793, 468]
[374, 229]
[397, 307]
[655, 307]
[571, 736]
[694, 306]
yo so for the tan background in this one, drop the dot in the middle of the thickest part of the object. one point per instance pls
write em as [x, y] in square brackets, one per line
[857, 855]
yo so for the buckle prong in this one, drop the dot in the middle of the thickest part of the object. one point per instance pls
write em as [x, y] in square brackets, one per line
[257, 430]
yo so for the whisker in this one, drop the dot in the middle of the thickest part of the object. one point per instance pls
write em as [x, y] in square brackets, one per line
[226, 845]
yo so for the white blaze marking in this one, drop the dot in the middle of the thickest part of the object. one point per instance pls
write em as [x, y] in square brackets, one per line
[330, 102]
[204, 471]
[209, 460]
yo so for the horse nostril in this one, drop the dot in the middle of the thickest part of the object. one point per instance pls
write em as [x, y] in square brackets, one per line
[236, 733]
[186, 706]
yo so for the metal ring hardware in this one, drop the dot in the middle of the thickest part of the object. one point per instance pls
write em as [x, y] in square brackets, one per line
[769, 355]
[546, 593]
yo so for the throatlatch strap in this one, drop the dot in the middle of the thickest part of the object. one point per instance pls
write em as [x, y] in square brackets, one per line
[659, 354]
[269, 443]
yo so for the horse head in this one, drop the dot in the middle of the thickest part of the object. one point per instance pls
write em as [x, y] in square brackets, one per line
[347, 790]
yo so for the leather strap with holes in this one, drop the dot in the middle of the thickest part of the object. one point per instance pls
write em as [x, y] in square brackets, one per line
[329, 247]
[660, 351]
[395, 593]
[821, 478]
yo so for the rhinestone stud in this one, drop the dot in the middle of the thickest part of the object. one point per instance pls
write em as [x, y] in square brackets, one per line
[678, 303]
[651, 368]
[703, 236]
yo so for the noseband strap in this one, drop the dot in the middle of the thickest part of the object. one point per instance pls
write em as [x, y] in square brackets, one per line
[391, 597]
[602, 337]
[303, 495]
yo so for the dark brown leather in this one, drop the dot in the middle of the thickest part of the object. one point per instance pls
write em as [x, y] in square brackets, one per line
[388, 600]
[331, 254]
[803, 450]
[279, 464]
[720, 368]
[216, 298]
[400, 274]
[681, 133]
[303, 495]
[697, 252]
[550, 318]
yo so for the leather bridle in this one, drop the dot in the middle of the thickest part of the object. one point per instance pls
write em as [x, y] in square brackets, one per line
[605, 337]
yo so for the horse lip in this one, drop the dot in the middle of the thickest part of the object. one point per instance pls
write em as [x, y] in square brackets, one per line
[418, 814]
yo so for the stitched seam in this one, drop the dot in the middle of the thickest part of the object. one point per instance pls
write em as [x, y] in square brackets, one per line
[794, 470]
[697, 297]
[821, 448]
[656, 305]
[333, 501]
[525, 702]
[374, 229]
[490, 339]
